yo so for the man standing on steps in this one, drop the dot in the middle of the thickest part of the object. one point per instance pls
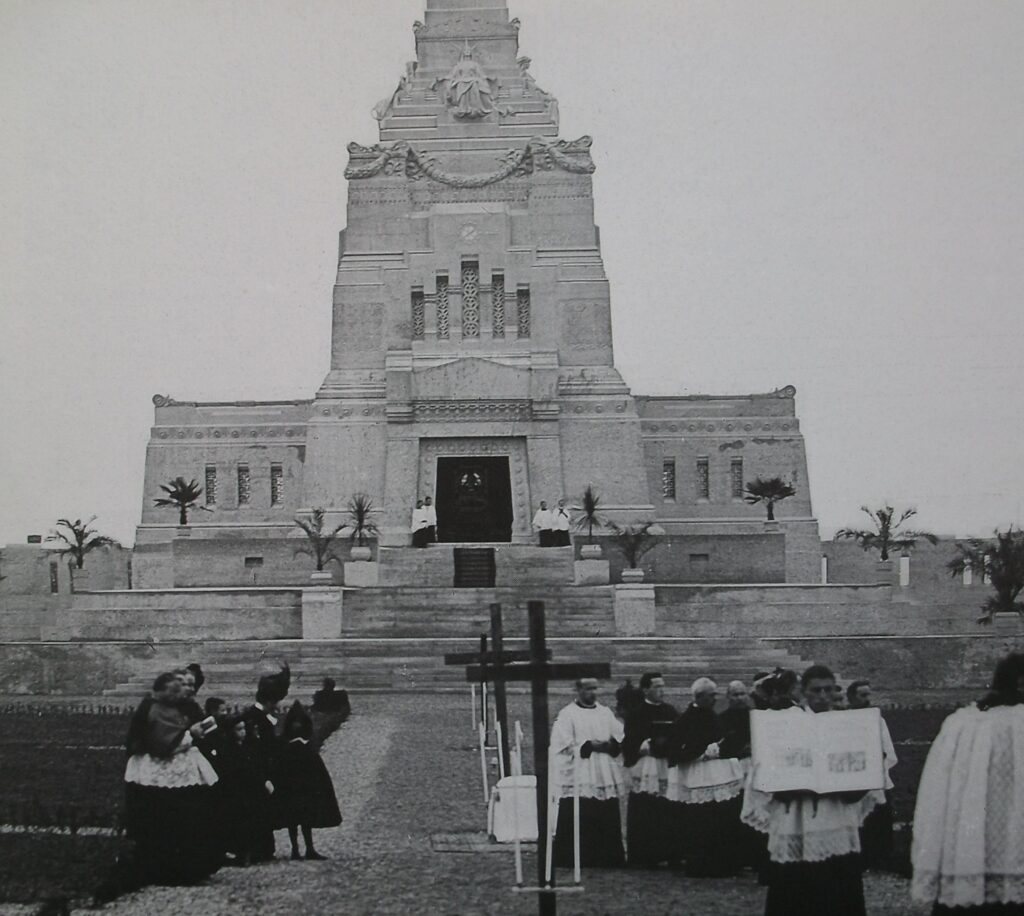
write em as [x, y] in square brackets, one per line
[650, 824]
[542, 523]
[419, 525]
[586, 741]
[561, 521]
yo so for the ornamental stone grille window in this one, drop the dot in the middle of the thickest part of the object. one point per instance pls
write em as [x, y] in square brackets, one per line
[419, 323]
[244, 485]
[443, 319]
[703, 479]
[276, 485]
[523, 310]
[498, 304]
[470, 299]
[736, 477]
[211, 485]
[668, 478]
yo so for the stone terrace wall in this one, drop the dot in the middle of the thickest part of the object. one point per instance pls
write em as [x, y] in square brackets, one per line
[226, 614]
[801, 610]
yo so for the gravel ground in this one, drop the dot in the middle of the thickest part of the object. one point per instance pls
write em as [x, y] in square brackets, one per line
[405, 768]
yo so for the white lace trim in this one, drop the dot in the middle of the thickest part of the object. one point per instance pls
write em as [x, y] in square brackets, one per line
[813, 846]
[649, 775]
[967, 890]
[704, 794]
[705, 781]
[189, 768]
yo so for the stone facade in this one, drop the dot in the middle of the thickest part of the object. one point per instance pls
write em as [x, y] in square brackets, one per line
[472, 346]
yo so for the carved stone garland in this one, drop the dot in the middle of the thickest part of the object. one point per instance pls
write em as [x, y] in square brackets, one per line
[539, 153]
[443, 320]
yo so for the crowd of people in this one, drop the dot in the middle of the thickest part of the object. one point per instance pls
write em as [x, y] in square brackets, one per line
[684, 778]
[206, 788]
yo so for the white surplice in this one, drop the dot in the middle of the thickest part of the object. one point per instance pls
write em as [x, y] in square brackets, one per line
[598, 776]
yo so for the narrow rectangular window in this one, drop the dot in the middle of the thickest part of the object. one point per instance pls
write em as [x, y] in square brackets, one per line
[736, 477]
[211, 485]
[419, 323]
[523, 310]
[443, 314]
[470, 299]
[244, 490]
[668, 478]
[54, 581]
[703, 479]
[498, 304]
[276, 485]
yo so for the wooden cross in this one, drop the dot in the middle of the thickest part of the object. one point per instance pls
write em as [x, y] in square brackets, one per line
[539, 671]
[497, 658]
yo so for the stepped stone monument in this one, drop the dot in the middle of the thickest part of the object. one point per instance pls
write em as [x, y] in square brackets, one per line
[471, 361]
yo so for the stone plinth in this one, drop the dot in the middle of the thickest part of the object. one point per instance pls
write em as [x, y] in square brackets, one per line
[591, 572]
[634, 610]
[361, 574]
[321, 612]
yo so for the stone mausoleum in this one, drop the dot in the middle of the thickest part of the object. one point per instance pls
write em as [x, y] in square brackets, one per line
[471, 360]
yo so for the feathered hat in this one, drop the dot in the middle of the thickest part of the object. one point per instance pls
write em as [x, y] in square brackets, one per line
[272, 688]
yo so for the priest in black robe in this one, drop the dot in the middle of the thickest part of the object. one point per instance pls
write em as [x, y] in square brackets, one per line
[650, 833]
[705, 787]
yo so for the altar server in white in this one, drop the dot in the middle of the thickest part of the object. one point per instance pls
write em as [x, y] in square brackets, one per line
[586, 743]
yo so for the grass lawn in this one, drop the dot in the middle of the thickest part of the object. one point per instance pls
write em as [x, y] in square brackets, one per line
[66, 770]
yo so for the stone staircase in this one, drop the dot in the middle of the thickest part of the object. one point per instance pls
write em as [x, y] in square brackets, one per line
[464, 612]
[404, 664]
[474, 567]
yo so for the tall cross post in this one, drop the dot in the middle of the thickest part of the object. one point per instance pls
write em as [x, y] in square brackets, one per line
[538, 671]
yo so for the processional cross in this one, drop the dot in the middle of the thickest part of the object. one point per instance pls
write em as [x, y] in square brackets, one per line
[538, 671]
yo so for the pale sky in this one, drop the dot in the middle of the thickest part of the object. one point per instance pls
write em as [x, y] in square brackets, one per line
[823, 194]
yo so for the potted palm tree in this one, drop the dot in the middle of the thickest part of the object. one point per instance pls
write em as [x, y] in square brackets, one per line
[319, 542]
[1002, 562]
[768, 491]
[79, 540]
[588, 519]
[360, 526]
[633, 541]
[887, 535]
[184, 496]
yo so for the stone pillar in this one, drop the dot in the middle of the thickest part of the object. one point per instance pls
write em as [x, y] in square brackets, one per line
[401, 479]
[321, 612]
[634, 610]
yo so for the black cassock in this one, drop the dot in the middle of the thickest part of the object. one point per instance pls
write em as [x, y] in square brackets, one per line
[707, 831]
[651, 836]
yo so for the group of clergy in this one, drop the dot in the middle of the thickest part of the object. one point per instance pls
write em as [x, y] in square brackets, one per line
[683, 778]
[552, 525]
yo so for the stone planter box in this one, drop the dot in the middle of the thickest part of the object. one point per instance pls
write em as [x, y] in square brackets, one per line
[79, 579]
[321, 611]
[361, 554]
[590, 551]
[631, 576]
[321, 577]
[591, 572]
[773, 525]
[361, 573]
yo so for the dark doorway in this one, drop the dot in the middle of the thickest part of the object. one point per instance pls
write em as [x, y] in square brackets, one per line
[474, 499]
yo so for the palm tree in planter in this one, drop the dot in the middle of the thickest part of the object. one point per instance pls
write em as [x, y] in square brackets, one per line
[319, 539]
[768, 490]
[633, 541]
[361, 526]
[181, 495]
[589, 518]
[888, 534]
[79, 539]
[1002, 562]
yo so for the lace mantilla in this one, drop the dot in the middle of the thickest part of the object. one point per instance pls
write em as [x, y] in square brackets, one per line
[179, 771]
